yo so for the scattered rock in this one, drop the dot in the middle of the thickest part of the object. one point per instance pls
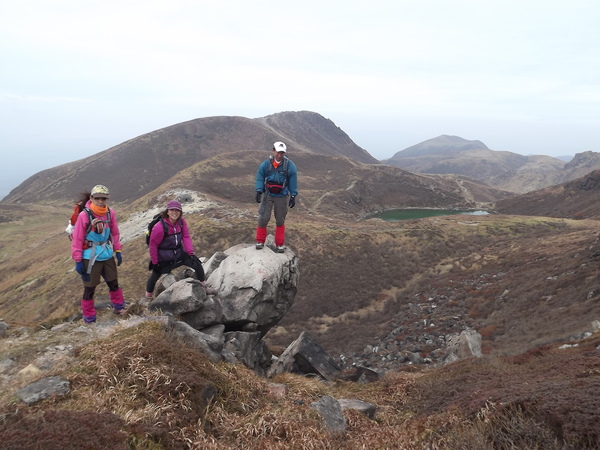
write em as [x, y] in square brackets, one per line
[305, 356]
[331, 412]
[467, 344]
[29, 371]
[3, 329]
[6, 365]
[42, 389]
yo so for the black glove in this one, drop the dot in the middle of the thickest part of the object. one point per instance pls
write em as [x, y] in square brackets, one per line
[152, 266]
[258, 196]
[195, 258]
[79, 267]
[292, 202]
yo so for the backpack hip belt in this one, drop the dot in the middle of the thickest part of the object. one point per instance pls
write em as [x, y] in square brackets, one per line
[95, 254]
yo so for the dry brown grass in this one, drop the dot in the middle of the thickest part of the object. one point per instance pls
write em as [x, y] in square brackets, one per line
[143, 389]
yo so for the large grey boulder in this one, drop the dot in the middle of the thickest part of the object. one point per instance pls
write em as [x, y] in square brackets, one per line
[181, 297]
[256, 286]
[254, 291]
[305, 356]
[464, 345]
[210, 313]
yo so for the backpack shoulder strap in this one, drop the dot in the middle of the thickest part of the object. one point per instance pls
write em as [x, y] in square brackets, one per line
[90, 219]
[270, 165]
[285, 165]
[90, 215]
[285, 170]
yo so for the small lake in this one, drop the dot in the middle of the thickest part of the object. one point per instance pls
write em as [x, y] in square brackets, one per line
[394, 215]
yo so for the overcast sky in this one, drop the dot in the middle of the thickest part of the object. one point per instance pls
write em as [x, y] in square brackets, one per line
[78, 77]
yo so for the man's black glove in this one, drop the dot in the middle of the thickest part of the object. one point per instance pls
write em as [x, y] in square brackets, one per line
[292, 202]
[258, 196]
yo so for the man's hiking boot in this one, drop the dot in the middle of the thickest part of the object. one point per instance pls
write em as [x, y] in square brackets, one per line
[280, 249]
[260, 245]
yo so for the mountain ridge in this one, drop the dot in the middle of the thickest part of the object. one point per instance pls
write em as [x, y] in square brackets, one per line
[143, 163]
[501, 169]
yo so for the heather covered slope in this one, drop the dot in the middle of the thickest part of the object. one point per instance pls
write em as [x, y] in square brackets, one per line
[357, 274]
[575, 199]
[528, 284]
[154, 392]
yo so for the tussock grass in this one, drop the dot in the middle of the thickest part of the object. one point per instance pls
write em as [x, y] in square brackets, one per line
[141, 388]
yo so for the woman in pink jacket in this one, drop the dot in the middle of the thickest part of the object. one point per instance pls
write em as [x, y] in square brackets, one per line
[95, 241]
[171, 246]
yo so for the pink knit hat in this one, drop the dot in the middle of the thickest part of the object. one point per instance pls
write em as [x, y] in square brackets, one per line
[174, 205]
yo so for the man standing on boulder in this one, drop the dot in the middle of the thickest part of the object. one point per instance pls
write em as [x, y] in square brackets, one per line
[277, 178]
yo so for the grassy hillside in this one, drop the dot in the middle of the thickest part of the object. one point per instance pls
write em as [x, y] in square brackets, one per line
[528, 284]
[523, 281]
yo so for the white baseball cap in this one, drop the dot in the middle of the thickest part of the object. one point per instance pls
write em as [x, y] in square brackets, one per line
[279, 147]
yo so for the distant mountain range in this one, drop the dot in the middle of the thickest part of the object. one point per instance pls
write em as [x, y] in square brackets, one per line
[500, 169]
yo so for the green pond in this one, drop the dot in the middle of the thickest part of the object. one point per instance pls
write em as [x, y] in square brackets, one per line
[405, 214]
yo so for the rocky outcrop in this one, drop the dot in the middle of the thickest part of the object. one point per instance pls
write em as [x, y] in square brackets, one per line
[254, 291]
